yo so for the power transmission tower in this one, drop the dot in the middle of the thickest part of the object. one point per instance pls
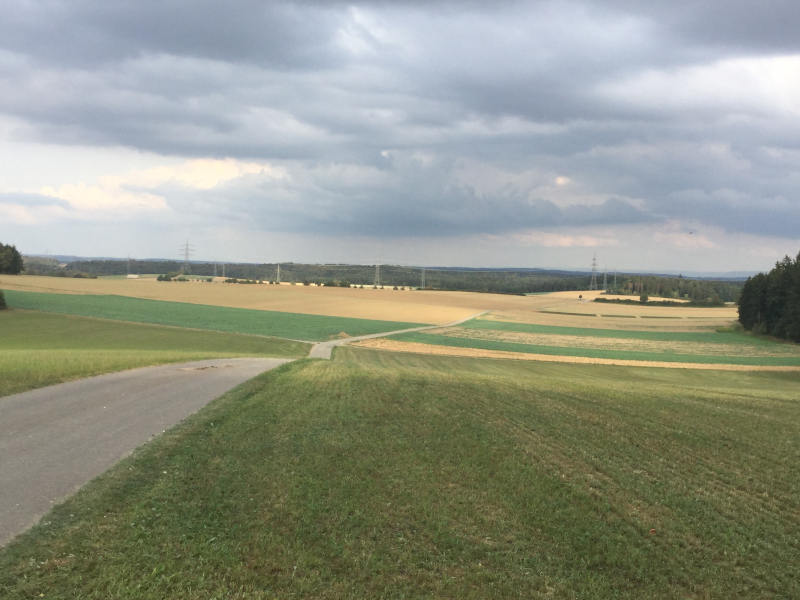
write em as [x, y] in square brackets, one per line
[593, 283]
[187, 251]
[278, 274]
[422, 284]
[377, 275]
[605, 280]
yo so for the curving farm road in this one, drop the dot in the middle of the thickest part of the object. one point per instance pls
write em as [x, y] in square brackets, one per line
[325, 349]
[55, 439]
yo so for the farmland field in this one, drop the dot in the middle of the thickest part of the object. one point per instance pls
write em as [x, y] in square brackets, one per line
[386, 304]
[38, 349]
[726, 346]
[417, 306]
[393, 475]
[217, 318]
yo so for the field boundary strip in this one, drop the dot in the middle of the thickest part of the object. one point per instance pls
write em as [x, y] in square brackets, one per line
[491, 345]
[660, 336]
[422, 349]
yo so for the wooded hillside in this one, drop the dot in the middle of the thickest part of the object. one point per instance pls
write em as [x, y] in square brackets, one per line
[770, 303]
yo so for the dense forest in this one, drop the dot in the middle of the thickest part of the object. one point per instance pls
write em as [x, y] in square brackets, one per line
[700, 291]
[10, 259]
[770, 303]
[502, 281]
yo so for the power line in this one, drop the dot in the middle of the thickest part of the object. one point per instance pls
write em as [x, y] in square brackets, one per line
[593, 283]
[187, 251]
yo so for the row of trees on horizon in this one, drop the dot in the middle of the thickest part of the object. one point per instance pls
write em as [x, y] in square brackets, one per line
[510, 281]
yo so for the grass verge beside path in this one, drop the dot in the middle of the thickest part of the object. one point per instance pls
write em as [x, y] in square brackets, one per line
[200, 316]
[393, 476]
[39, 349]
[464, 342]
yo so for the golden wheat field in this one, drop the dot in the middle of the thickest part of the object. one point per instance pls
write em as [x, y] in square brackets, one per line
[385, 304]
[419, 306]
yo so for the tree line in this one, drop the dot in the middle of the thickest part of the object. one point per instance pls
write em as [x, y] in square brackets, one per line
[698, 291]
[10, 260]
[501, 281]
[770, 302]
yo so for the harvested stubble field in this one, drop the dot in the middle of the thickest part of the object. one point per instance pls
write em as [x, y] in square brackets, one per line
[417, 306]
[386, 304]
[383, 475]
[568, 309]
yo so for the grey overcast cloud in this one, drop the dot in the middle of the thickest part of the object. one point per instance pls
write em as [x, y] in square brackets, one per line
[658, 136]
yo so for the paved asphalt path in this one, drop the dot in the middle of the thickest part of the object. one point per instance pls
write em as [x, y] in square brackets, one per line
[55, 439]
[325, 349]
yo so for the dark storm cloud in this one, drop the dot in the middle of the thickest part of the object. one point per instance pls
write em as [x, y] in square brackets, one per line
[84, 33]
[371, 203]
[769, 27]
[600, 92]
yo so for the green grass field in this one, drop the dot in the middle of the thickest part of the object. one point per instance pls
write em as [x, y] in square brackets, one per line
[382, 475]
[38, 349]
[723, 346]
[218, 318]
[466, 342]
[714, 337]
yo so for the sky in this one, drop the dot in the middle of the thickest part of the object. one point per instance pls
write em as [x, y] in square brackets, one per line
[654, 136]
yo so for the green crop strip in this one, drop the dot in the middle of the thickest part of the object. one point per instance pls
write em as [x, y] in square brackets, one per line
[200, 316]
[461, 342]
[39, 349]
[732, 337]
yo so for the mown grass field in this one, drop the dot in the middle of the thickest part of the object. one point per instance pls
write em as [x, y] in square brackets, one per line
[382, 475]
[708, 336]
[199, 316]
[38, 349]
[726, 346]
